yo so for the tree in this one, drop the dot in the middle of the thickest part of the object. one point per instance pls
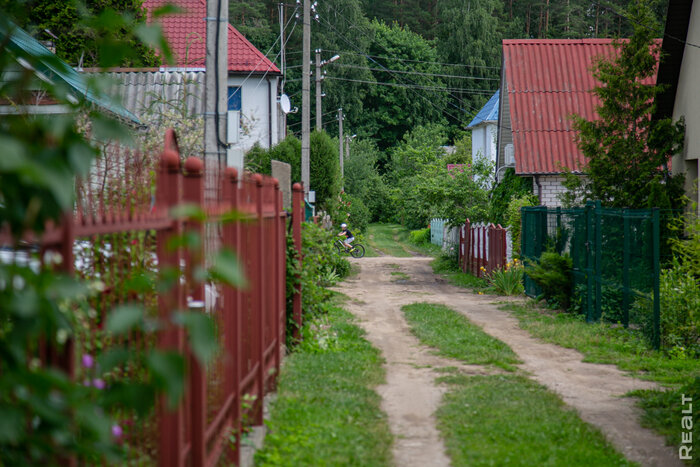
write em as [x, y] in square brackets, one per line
[87, 33]
[626, 149]
[324, 167]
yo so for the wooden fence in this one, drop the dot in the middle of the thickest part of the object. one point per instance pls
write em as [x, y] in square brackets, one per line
[251, 322]
[481, 246]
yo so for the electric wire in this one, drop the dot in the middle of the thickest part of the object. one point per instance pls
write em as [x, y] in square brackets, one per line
[431, 103]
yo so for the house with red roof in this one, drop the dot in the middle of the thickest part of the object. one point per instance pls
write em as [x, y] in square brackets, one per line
[254, 114]
[679, 70]
[543, 83]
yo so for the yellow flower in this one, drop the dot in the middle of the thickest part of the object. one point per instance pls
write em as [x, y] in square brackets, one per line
[481, 293]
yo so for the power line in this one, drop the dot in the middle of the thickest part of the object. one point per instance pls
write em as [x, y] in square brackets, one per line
[449, 102]
[322, 115]
[438, 75]
[431, 103]
[611, 9]
[417, 86]
[414, 61]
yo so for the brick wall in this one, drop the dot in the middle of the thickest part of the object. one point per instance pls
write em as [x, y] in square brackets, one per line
[551, 187]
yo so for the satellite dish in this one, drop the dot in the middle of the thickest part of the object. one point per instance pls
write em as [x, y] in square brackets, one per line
[285, 105]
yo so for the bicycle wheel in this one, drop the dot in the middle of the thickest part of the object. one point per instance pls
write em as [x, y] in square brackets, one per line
[358, 252]
[338, 247]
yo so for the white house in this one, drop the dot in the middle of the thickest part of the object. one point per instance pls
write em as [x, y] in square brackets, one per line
[678, 71]
[254, 114]
[484, 129]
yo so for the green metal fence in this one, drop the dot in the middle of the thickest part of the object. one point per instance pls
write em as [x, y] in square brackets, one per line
[616, 255]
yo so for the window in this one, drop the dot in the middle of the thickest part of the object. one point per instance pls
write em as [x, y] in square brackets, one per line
[234, 113]
[234, 98]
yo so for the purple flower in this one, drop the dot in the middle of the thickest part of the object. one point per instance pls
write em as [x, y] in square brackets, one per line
[117, 431]
[99, 383]
[88, 361]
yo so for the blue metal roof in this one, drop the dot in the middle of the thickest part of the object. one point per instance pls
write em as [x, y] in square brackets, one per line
[50, 66]
[488, 113]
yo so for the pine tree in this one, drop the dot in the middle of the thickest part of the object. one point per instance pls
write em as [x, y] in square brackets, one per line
[627, 150]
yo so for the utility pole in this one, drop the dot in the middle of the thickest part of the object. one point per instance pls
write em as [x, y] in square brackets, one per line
[319, 116]
[282, 67]
[215, 95]
[305, 99]
[340, 139]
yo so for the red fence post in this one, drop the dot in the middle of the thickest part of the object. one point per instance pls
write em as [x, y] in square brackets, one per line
[280, 250]
[168, 193]
[193, 193]
[232, 304]
[483, 247]
[297, 216]
[261, 299]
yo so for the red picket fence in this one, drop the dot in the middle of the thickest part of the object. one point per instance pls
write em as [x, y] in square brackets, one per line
[110, 244]
[481, 246]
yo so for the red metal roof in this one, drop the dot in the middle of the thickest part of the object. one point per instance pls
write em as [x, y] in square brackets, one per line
[548, 80]
[186, 34]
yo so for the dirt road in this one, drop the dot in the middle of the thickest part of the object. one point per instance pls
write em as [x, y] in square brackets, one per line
[411, 396]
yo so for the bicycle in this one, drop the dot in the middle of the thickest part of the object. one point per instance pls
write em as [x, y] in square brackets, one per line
[357, 251]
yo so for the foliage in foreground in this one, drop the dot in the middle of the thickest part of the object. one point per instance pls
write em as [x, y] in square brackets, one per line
[510, 420]
[456, 337]
[326, 412]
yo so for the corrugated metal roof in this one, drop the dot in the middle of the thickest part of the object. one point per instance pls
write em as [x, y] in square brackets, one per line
[141, 91]
[547, 82]
[186, 34]
[488, 113]
[53, 68]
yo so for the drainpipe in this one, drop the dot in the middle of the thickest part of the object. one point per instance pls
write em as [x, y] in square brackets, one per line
[539, 188]
[269, 114]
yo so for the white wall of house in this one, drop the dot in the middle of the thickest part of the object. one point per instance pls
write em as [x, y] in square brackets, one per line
[484, 137]
[686, 105]
[258, 117]
[549, 189]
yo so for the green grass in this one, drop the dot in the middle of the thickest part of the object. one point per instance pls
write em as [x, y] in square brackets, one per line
[510, 420]
[399, 276]
[454, 336]
[393, 240]
[604, 343]
[447, 268]
[630, 351]
[663, 413]
[390, 239]
[326, 412]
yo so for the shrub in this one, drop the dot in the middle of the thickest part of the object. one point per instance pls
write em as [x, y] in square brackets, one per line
[513, 217]
[552, 273]
[510, 187]
[680, 313]
[419, 237]
[507, 280]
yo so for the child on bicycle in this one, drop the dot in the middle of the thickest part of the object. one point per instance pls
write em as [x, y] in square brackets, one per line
[348, 236]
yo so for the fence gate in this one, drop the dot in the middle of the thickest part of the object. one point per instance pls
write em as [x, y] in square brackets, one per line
[616, 256]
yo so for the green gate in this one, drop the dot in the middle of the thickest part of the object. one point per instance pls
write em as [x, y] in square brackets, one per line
[616, 256]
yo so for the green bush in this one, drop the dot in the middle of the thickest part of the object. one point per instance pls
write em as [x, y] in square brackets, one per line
[419, 237]
[507, 280]
[513, 217]
[680, 313]
[510, 187]
[552, 273]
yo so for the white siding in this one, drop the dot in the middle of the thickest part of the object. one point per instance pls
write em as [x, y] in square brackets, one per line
[686, 105]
